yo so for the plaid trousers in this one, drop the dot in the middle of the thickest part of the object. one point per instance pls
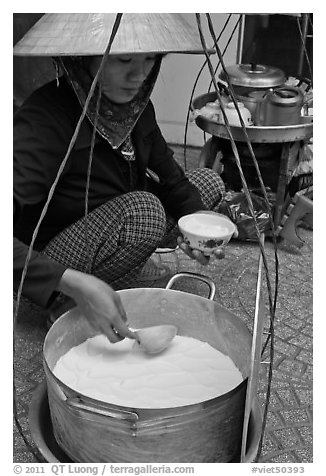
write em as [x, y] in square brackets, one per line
[124, 232]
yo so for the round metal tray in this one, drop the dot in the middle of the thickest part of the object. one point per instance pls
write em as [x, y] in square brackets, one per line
[257, 134]
[42, 431]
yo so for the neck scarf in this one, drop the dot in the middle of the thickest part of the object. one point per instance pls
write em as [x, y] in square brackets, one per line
[115, 121]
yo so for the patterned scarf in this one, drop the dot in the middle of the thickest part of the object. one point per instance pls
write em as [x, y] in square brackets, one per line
[115, 121]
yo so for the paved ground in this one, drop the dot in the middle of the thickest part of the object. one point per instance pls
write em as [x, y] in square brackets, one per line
[288, 435]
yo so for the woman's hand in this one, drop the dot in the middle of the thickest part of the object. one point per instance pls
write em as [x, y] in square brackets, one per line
[197, 254]
[100, 304]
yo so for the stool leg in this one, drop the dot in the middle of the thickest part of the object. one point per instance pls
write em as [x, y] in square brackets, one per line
[211, 155]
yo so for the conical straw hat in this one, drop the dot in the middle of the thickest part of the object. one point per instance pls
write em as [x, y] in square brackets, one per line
[79, 34]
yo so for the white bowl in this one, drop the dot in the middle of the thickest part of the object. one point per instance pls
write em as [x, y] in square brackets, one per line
[206, 231]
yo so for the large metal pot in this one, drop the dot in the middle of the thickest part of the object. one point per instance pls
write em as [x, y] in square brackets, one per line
[93, 431]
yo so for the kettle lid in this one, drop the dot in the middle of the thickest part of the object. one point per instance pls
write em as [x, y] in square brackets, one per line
[254, 75]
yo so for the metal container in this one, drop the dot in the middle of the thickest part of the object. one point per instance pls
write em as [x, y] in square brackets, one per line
[89, 430]
[252, 101]
[42, 429]
[256, 134]
[251, 82]
[281, 107]
[254, 76]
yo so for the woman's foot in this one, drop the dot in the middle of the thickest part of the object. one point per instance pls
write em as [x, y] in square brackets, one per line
[153, 271]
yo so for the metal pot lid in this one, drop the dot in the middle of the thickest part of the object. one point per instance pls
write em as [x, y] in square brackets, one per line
[254, 75]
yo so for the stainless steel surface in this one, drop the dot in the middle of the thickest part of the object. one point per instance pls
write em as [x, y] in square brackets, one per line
[92, 406]
[216, 436]
[40, 424]
[254, 76]
[200, 277]
[257, 134]
[260, 134]
[281, 107]
[252, 101]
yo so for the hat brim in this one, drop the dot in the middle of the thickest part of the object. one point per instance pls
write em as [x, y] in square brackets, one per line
[87, 34]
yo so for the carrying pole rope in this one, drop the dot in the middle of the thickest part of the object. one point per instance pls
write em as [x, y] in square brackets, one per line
[194, 88]
[272, 305]
[255, 163]
[227, 124]
[230, 87]
[89, 169]
[304, 46]
[227, 45]
[45, 208]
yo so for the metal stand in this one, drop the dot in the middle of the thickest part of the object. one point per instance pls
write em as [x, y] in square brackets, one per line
[288, 136]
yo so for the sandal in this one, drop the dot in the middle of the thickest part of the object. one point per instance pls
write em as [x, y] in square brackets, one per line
[166, 249]
[168, 245]
[153, 271]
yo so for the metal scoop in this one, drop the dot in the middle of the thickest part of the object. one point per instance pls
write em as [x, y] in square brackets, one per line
[156, 338]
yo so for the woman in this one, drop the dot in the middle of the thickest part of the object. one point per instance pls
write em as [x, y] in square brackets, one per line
[129, 213]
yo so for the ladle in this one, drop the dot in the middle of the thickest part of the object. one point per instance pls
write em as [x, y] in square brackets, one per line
[155, 339]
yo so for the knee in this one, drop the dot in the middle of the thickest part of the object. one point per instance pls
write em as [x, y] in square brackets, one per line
[146, 214]
[210, 185]
[205, 178]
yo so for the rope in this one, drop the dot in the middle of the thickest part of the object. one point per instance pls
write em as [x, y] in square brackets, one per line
[272, 304]
[193, 92]
[261, 184]
[304, 45]
[227, 45]
[89, 169]
[246, 191]
[45, 208]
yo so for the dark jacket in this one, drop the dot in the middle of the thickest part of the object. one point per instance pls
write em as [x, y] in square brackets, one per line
[43, 128]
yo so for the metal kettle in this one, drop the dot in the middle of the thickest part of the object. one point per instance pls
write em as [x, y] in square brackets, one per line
[280, 107]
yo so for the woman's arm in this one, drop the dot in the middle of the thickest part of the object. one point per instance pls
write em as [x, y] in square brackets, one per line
[99, 303]
[38, 147]
[42, 132]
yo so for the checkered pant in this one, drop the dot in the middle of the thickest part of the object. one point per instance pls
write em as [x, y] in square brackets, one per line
[125, 231]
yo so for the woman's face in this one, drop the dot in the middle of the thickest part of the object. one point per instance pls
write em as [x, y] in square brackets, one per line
[122, 75]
